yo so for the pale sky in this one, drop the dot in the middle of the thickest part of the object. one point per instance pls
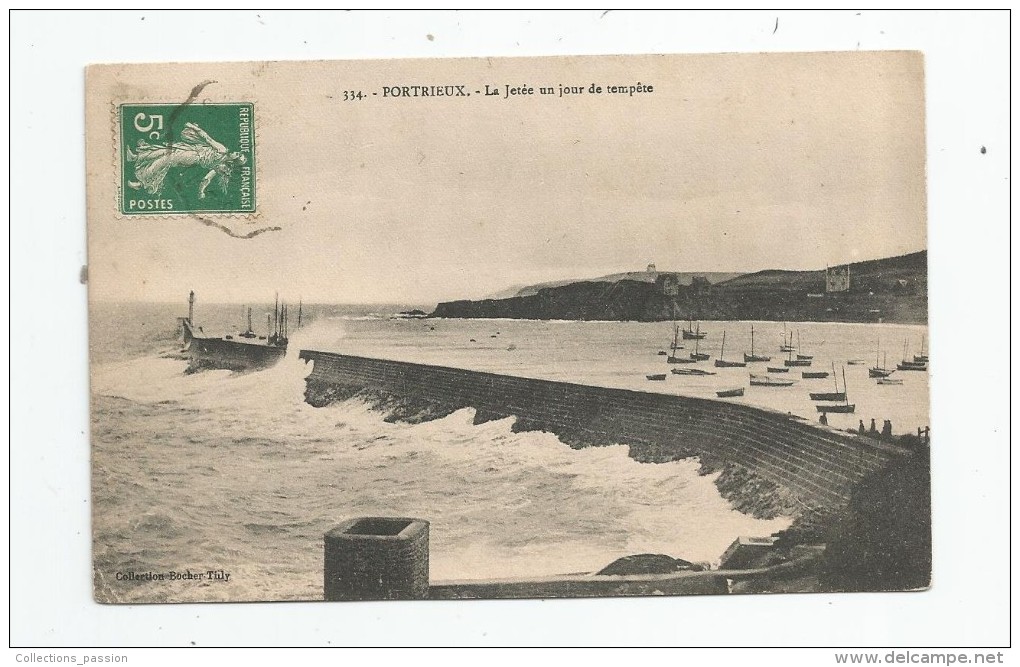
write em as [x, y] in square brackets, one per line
[733, 163]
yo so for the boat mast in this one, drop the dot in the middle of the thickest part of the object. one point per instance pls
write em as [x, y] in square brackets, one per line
[276, 316]
[752, 340]
[722, 350]
[835, 381]
[846, 396]
[249, 318]
[299, 312]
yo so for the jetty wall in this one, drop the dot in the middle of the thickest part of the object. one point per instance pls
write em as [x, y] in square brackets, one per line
[759, 452]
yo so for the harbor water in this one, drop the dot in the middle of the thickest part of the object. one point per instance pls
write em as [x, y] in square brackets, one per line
[235, 472]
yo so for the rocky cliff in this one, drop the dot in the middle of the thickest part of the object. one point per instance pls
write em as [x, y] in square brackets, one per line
[890, 290]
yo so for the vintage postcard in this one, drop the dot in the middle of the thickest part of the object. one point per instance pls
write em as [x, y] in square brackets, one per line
[508, 328]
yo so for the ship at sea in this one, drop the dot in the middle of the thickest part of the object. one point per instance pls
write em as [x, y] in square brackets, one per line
[243, 351]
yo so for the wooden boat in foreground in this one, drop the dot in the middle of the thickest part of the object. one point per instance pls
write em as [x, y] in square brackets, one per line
[768, 381]
[728, 393]
[721, 362]
[658, 377]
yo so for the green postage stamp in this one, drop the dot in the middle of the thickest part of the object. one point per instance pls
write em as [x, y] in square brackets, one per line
[188, 158]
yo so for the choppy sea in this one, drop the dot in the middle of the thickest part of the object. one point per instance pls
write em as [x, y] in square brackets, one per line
[234, 472]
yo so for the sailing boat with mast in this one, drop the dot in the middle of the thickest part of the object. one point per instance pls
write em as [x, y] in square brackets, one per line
[754, 357]
[799, 355]
[721, 361]
[907, 365]
[790, 361]
[692, 333]
[787, 345]
[846, 407]
[923, 357]
[674, 346]
[696, 355]
[830, 395]
[880, 371]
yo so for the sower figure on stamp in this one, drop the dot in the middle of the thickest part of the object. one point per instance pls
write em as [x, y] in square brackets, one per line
[195, 148]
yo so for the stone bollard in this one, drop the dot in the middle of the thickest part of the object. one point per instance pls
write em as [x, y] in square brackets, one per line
[377, 558]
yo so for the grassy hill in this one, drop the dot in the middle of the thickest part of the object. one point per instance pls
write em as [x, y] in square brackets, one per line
[893, 289]
[640, 276]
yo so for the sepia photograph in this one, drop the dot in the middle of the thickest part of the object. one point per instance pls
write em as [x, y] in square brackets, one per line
[447, 329]
[509, 328]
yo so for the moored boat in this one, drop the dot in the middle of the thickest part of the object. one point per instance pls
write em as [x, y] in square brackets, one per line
[843, 408]
[831, 395]
[774, 369]
[828, 395]
[721, 362]
[879, 371]
[790, 362]
[658, 377]
[672, 357]
[787, 345]
[907, 365]
[752, 357]
[923, 357]
[768, 381]
[890, 381]
[692, 333]
[696, 355]
[728, 393]
[690, 371]
[814, 375]
[846, 407]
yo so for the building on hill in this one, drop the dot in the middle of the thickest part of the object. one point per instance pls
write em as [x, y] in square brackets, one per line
[837, 279]
[668, 284]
